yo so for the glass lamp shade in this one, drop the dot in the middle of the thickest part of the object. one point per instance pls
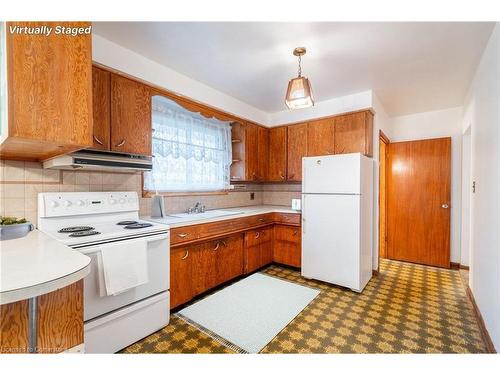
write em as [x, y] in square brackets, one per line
[299, 93]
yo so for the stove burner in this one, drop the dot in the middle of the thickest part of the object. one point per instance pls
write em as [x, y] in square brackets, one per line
[84, 233]
[82, 228]
[138, 226]
[127, 222]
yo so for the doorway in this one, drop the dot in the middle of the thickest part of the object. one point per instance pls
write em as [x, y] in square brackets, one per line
[418, 194]
[382, 197]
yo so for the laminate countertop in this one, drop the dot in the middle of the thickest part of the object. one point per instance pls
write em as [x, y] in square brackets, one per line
[181, 219]
[37, 264]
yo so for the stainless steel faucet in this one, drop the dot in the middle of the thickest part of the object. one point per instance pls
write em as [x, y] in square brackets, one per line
[197, 209]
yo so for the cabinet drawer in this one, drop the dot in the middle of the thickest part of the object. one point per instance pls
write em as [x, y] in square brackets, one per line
[183, 234]
[283, 218]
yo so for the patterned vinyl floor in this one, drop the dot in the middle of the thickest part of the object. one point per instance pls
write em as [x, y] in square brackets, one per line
[408, 308]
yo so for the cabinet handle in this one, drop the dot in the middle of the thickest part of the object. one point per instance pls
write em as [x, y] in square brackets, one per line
[217, 246]
[282, 176]
[257, 235]
[185, 255]
[97, 140]
[295, 232]
[182, 235]
[121, 143]
[224, 243]
[254, 176]
[261, 220]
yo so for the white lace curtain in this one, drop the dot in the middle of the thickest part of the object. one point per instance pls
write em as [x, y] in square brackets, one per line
[191, 152]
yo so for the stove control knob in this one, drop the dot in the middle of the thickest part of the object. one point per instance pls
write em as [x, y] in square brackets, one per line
[112, 201]
[54, 204]
[67, 203]
[80, 203]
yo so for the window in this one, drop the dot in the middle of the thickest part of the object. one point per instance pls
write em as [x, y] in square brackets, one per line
[191, 152]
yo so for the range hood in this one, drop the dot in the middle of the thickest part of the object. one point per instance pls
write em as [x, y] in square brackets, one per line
[100, 161]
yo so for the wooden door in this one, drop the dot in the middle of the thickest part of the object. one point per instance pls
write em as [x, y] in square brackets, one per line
[262, 153]
[230, 258]
[382, 196]
[297, 148]
[14, 327]
[101, 100]
[131, 127]
[181, 277]
[287, 245]
[252, 251]
[204, 263]
[418, 201]
[277, 154]
[266, 246]
[353, 133]
[251, 152]
[320, 137]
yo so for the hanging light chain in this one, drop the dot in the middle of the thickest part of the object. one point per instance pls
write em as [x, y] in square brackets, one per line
[300, 67]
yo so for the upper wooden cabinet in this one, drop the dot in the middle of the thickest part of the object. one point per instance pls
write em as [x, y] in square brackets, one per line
[101, 103]
[320, 137]
[354, 133]
[277, 154]
[297, 149]
[262, 153]
[250, 152]
[131, 128]
[49, 91]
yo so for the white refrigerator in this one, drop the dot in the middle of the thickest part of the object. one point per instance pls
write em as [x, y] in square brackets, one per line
[337, 219]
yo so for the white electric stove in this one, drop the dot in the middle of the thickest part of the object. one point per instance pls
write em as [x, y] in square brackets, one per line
[91, 221]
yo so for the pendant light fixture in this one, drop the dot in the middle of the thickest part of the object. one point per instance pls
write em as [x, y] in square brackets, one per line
[299, 93]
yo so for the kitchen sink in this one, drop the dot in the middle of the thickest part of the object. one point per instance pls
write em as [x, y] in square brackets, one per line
[206, 215]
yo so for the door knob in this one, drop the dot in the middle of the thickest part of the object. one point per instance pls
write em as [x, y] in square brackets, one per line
[445, 205]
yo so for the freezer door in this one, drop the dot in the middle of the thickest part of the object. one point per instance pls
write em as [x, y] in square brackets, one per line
[331, 239]
[338, 174]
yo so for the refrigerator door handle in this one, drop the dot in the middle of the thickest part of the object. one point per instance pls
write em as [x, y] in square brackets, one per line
[303, 209]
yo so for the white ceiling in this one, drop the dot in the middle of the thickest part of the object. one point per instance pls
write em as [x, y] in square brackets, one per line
[412, 67]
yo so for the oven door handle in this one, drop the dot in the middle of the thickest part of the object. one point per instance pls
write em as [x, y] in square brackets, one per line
[97, 248]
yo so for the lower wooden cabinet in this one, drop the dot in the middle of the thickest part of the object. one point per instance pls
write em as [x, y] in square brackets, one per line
[258, 248]
[287, 245]
[181, 281]
[230, 256]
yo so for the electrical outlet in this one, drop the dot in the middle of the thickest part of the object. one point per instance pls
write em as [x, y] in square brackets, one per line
[252, 196]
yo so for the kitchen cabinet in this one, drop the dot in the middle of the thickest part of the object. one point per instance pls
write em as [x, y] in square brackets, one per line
[296, 150]
[354, 133]
[131, 128]
[101, 103]
[204, 266]
[181, 282]
[262, 153]
[320, 137]
[49, 93]
[277, 154]
[230, 258]
[252, 152]
[258, 248]
[287, 245]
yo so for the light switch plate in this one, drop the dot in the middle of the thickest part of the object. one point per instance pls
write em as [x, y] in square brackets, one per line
[296, 204]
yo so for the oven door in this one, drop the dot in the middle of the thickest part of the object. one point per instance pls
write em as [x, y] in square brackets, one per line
[158, 255]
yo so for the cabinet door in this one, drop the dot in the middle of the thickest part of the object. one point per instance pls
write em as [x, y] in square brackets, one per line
[204, 263]
[101, 100]
[229, 258]
[130, 116]
[353, 133]
[262, 153]
[277, 154]
[251, 152]
[266, 246]
[297, 148]
[320, 137]
[50, 87]
[287, 245]
[252, 251]
[181, 286]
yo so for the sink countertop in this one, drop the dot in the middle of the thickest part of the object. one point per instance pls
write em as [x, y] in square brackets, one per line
[37, 264]
[175, 222]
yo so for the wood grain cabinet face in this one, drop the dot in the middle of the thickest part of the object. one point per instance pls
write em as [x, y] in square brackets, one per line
[354, 133]
[266, 246]
[50, 92]
[229, 258]
[14, 327]
[287, 245]
[262, 153]
[181, 278]
[320, 137]
[131, 127]
[277, 154]
[101, 88]
[297, 149]
[251, 153]
[258, 248]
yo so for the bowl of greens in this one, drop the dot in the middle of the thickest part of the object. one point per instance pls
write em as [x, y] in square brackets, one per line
[11, 228]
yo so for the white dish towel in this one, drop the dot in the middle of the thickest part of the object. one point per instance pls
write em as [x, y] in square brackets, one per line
[124, 266]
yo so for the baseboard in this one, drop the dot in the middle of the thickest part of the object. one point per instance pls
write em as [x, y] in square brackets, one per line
[374, 272]
[490, 348]
[457, 266]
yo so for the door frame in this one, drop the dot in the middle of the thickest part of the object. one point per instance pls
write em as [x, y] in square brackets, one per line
[382, 138]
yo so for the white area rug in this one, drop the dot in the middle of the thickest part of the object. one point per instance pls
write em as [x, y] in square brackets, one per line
[250, 313]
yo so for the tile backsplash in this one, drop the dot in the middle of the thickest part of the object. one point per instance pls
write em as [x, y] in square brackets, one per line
[20, 183]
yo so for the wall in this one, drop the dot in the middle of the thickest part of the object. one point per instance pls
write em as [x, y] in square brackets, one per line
[436, 124]
[482, 106]
[20, 183]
